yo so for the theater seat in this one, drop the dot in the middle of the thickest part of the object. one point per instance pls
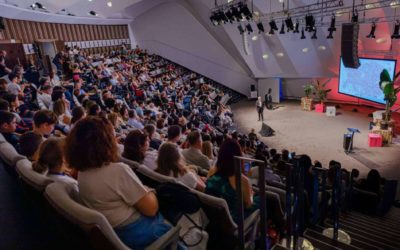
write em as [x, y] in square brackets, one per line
[31, 178]
[221, 229]
[9, 156]
[64, 199]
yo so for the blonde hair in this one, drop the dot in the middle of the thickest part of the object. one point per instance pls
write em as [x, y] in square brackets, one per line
[51, 155]
[59, 107]
[207, 149]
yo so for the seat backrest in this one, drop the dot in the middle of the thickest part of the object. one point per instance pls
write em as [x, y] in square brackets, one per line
[218, 213]
[9, 154]
[30, 177]
[63, 199]
[151, 176]
[280, 192]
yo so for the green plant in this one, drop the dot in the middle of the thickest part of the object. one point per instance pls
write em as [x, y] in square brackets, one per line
[321, 92]
[389, 91]
[308, 89]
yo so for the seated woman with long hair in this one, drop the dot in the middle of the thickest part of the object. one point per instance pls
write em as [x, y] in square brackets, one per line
[136, 148]
[171, 163]
[111, 187]
[222, 182]
[51, 161]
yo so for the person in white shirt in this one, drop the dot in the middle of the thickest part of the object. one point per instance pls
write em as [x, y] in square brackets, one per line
[44, 97]
[171, 163]
[136, 148]
[111, 187]
[14, 86]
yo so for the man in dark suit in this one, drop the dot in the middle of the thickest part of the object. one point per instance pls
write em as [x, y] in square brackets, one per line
[268, 99]
[260, 109]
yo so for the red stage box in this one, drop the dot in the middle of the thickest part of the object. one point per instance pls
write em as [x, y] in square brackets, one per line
[320, 108]
[374, 140]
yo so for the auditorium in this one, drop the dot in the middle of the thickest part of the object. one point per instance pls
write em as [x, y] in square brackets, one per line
[199, 124]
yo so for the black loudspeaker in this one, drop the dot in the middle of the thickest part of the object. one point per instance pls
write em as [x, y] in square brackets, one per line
[350, 45]
[253, 87]
[346, 141]
[2, 26]
[266, 130]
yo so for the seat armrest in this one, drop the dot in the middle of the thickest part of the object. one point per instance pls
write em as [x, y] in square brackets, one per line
[170, 238]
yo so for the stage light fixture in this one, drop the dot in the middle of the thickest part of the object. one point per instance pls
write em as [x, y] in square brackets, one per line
[330, 35]
[222, 17]
[230, 16]
[240, 28]
[372, 32]
[249, 28]
[246, 13]
[289, 24]
[310, 22]
[93, 13]
[396, 34]
[213, 19]
[260, 27]
[354, 18]
[282, 28]
[302, 34]
[273, 25]
[332, 26]
[296, 27]
[236, 13]
[314, 35]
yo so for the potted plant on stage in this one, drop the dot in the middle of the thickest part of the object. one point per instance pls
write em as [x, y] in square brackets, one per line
[322, 93]
[390, 92]
[306, 102]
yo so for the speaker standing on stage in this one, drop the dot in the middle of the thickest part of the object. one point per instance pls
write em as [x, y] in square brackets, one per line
[260, 109]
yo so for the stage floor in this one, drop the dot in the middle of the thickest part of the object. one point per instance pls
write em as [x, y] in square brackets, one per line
[321, 137]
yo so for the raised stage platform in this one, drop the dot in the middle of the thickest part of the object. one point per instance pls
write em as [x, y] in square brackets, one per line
[321, 136]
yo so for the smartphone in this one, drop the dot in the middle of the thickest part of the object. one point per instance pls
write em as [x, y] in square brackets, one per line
[247, 167]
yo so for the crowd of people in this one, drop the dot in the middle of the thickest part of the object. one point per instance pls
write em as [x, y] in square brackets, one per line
[143, 108]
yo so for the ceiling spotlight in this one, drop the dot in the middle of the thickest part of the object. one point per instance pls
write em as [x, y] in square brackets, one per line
[282, 29]
[240, 28]
[296, 27]
[93, 13]
[289, 24]
[260, 27]
[394, 4]
[265, 56]
[330, 35]
[321, 47]
[254, 38]
[245, 11]
[354, 18]
[305, 50]
[314, 35]
[90, 0]
[236, 14]
[214, 19]
[109, 4]
[332, 26]
[310, 22]
[249, 28]
[396, 34]
[372, 32]
[369, 6]
[302, 34]
[230, 16]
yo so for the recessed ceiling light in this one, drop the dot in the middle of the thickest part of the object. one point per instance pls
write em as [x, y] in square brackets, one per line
[254, 38]
[305, 50]
[280, 54]
[369, 6]
[321, 47]
[265, 56]
[281, 1]
[394, 4]
[109, 4]
[90, 0]
[380, 40]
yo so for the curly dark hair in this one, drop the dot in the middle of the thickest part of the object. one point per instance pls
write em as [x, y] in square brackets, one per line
[134, 141]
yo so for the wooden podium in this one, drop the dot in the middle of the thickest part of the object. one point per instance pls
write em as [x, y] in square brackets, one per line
[387, 134]
[306, 103]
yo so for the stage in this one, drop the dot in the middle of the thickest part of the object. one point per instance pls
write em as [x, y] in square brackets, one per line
[321, 137]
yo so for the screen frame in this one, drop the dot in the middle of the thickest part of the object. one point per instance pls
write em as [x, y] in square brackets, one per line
[380, 59]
